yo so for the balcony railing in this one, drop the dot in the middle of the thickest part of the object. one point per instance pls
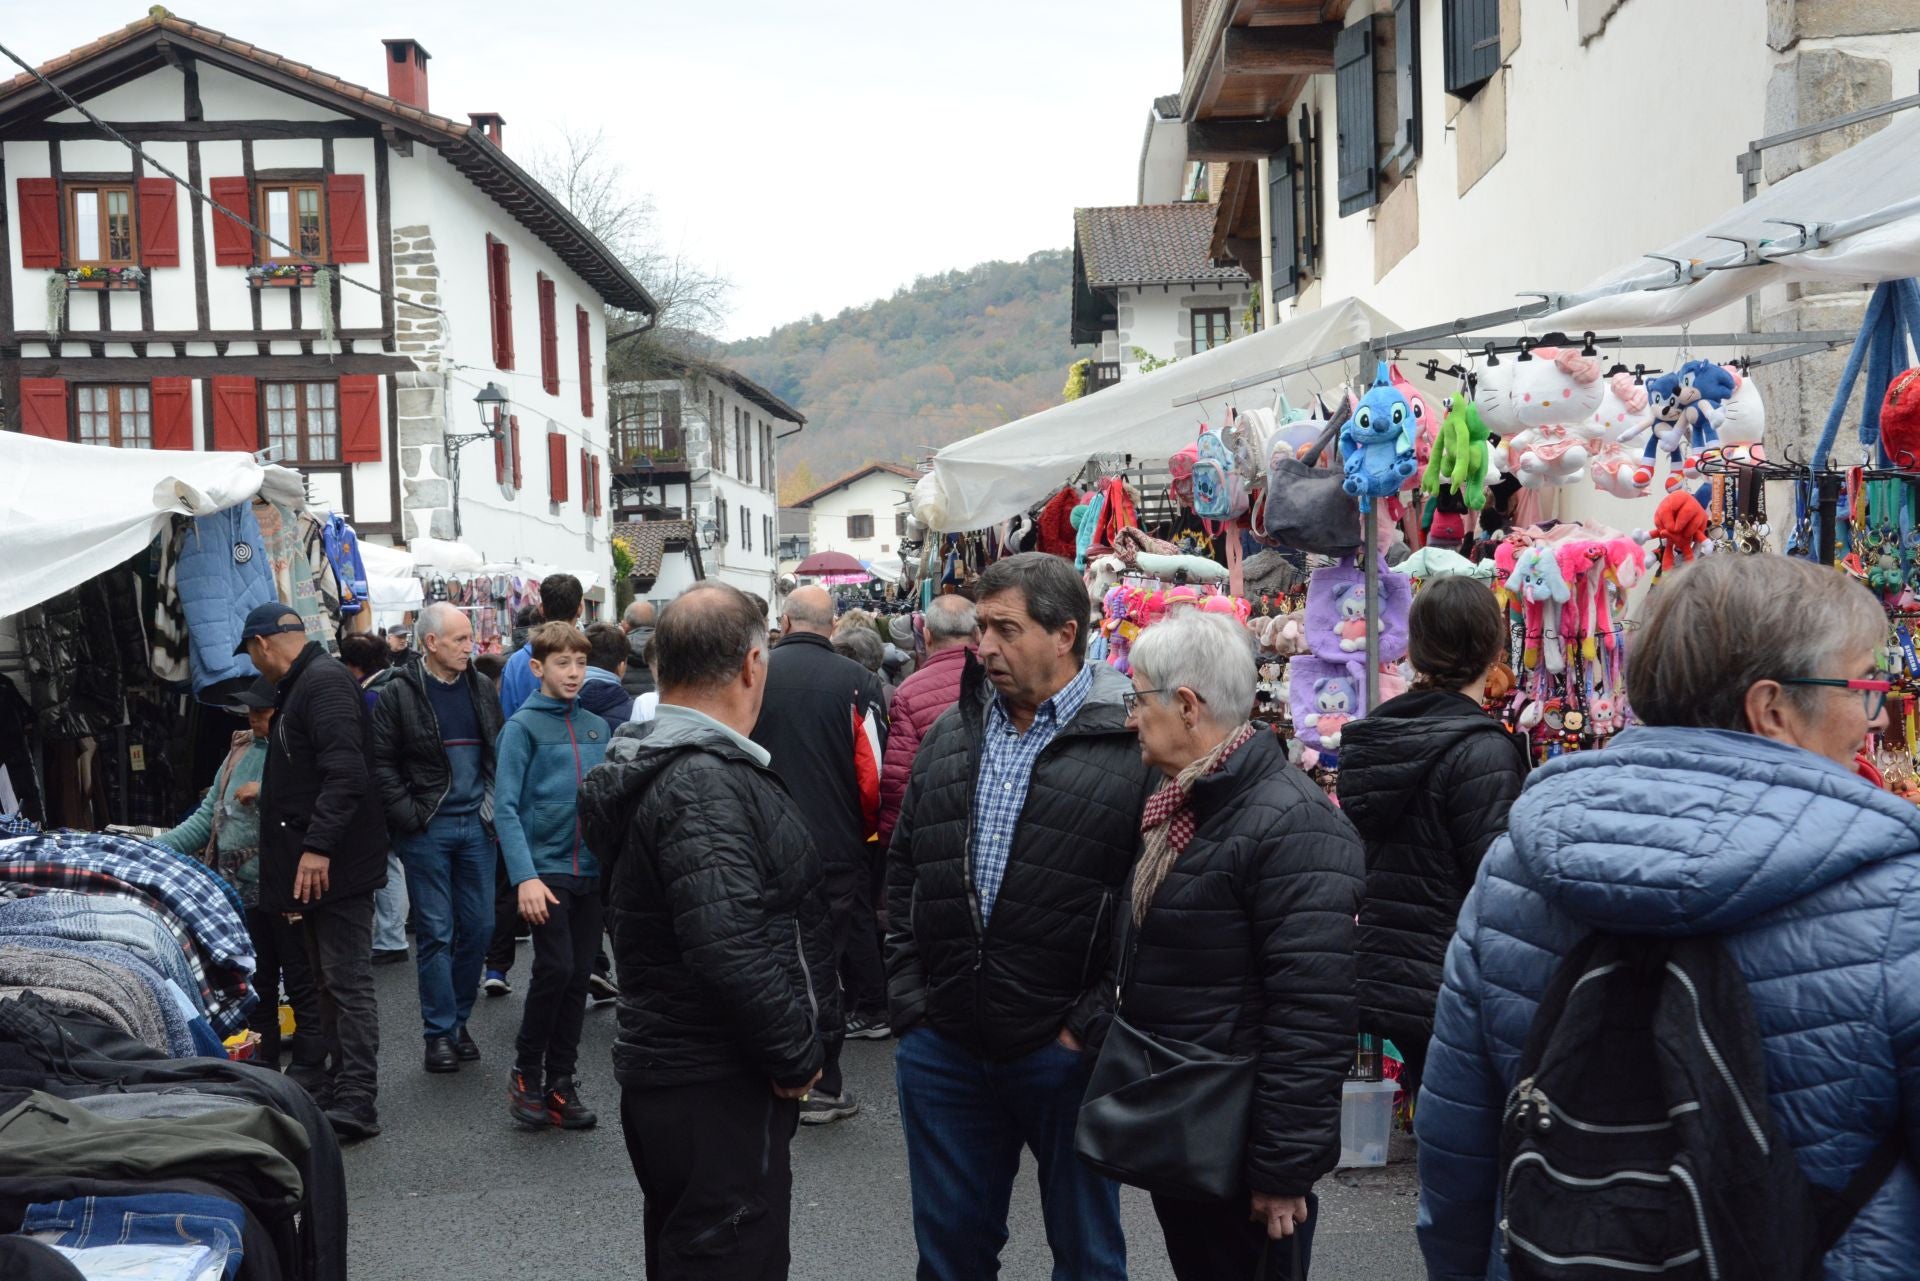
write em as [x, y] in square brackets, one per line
[659, 446]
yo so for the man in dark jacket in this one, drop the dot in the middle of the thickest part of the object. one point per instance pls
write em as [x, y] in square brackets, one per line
[637, 623]
[434, 726]
[720, 921]
[822, 722]
[323, 848]
[1019, 829]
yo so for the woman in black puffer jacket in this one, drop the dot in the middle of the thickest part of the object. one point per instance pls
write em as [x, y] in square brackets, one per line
[1241, 934]
[1428, 778]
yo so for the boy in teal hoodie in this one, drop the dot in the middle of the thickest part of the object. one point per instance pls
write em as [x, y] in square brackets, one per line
[540, 757]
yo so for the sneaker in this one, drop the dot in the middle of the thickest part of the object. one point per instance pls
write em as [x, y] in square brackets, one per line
[564, 1107]
[353, 1120]
[601, 989]
[495, 984]
[441, 1055]
[524, 1102]
[868, 1027]
[819, 1107]
[464, 1048]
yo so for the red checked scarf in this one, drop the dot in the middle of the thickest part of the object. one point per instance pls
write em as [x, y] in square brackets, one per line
[1168, 822]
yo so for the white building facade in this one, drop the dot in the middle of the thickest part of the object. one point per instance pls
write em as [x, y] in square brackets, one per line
[863, 514]
[406, 263]
[1145, 290]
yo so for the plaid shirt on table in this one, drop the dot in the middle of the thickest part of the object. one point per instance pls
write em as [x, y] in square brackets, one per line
[1006, 768]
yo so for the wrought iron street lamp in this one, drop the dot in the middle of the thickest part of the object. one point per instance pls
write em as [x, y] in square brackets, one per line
[492, 404]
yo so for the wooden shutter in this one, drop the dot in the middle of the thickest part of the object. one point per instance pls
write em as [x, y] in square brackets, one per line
[556, 467]
[513, 431]
[1307, 179]
[40, 226]
[500, 453]
[172, 402]
[1471, 35]
[599, 489]
[1406, 80]
[500, 301]
[347, 216]
[43, 407]
[583, 327]
[236, 424]
[549, 337]
[232, 242]
[159, 223]
[586, 483]
[1286, 224]
[360, 418]
[1353, 94]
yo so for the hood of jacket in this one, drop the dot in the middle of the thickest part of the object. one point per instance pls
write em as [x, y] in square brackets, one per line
[637, 753]
[1388, 756]
[1696, 831]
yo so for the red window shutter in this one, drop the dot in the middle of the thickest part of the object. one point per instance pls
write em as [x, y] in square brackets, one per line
[549, 340]
[347, 216]
[40, 226]
[232, 243]
[500, 454]
[360, 418]
[584, 327]
[500, 299]
[513, 428]
[159, 223]
[599, 500]
[556, 467]
[172, 403]
[236, 425]
[43, 407]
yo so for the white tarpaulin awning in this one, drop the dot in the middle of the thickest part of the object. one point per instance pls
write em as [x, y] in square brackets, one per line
[1862, 206]
[1002, 472]
[69, 512]
[391, 584]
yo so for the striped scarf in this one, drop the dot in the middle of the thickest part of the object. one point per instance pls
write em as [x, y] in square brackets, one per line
[1168, 821]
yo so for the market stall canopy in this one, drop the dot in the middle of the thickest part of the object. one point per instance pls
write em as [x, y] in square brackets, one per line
[69, 512]
[1854, 218]
[830, 563]
[390, 579]
[1000, 473]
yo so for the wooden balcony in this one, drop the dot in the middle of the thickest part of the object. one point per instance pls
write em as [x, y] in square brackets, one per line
[649, 448]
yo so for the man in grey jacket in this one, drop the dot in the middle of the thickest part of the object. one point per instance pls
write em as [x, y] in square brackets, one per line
[637, 623]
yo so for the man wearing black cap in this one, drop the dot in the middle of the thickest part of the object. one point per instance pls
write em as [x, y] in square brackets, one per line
[323, 848]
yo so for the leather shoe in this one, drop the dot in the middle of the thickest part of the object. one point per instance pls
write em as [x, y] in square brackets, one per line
[464, 1047]
[441, 1054]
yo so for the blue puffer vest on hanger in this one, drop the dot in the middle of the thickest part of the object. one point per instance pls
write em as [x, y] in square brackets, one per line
[223, 573]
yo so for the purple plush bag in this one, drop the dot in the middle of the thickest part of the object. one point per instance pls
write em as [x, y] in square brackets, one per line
[1337, 613]
[1325, 695]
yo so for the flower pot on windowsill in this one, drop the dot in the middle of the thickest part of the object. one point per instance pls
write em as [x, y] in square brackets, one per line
[106, 278]
[283, 276]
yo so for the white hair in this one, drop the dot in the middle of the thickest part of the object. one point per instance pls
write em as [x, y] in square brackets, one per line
[951, 618]
[433, 621]
[1210, 654]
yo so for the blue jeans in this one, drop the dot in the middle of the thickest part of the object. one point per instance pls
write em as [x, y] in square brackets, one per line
[390, 909]
[165, 1221]
[450, 879]
[966, 1119]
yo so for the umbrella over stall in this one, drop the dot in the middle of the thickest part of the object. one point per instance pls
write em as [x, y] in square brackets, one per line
[829, 563]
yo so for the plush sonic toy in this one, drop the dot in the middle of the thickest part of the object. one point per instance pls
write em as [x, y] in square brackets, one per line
[1376, 443]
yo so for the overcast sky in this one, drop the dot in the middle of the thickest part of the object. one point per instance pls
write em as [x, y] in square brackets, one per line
[819, 153]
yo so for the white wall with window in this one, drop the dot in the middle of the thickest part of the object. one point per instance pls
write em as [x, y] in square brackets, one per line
[1167, 322]
[860, 514]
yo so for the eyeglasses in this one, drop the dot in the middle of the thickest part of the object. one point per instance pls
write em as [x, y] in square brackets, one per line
[1130, 700]
[1873, 693]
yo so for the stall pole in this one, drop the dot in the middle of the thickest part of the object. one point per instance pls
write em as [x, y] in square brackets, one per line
[1370, 548]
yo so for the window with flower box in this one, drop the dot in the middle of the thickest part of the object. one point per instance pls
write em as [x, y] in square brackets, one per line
[293, 214]
[100, 221]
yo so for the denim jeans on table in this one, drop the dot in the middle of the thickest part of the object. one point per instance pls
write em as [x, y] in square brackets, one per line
[450, 880]
[390, 908]
[159, 1219]
[966, 1119]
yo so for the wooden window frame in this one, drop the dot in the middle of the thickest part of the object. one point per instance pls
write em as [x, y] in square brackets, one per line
[866, 518]
[264, 438]
[76, 390]
[1225, 335]
[69, 190]
[265, 250]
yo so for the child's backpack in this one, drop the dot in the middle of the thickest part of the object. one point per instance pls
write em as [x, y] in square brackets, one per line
[1639, 1141]
[1219, 490]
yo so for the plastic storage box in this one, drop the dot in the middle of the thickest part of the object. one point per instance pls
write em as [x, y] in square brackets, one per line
[1366, 1119]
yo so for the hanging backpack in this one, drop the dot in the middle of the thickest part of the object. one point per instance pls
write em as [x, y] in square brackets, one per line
[1219, 490]
[1639, 1141]
[1180, 473]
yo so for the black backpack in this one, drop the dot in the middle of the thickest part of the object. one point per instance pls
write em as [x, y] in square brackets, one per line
[1639, 1142]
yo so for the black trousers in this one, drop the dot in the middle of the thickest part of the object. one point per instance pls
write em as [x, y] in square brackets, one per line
[863, 972]
[280, 959]
[714, 1167]
[843, 905]
[1214, 1241]
[339, 938]
[556, 1008]
[506, 919]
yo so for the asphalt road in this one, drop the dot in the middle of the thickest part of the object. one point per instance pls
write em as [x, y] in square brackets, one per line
[452, 1189]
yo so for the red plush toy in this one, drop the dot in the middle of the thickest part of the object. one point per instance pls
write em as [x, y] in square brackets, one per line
[1680, 523]
[1900, 420]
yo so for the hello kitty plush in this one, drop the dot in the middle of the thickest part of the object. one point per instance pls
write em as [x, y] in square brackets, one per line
[1743, 418]
[1624, 412]
[1615, 469]
[1555, 386]
[1555, 454]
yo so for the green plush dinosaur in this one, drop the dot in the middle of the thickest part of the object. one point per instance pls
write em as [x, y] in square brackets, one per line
[1459, 456]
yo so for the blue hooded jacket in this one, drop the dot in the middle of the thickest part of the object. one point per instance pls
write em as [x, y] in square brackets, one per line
[1809, 875]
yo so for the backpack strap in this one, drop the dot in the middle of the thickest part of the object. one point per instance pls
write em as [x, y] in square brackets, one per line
[1839, 1207]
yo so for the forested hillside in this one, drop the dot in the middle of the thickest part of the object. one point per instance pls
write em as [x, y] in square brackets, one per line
[945, 357]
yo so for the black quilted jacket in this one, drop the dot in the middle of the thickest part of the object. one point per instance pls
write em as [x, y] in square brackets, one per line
[409, 760]
[1248, 949]
[716, 907]
[1043, 960]
[1428, 779]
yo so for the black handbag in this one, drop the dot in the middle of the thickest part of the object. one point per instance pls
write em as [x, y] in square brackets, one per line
[1166, 1115]
[1306, 508]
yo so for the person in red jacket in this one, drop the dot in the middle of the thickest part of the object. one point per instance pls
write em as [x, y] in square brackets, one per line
[922, 697]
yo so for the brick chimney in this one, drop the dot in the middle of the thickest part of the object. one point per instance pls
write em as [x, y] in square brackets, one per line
[489, 123]
[407, 72]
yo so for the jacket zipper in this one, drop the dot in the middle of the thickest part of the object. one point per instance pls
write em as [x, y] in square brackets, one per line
[800, 950]
[434, 716]
[568, 718]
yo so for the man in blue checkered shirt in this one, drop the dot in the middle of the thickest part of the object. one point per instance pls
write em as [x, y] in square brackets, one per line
[1015, 840]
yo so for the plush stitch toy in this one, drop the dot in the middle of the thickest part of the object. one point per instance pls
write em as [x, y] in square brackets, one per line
[1376, 444]
[1460, 454]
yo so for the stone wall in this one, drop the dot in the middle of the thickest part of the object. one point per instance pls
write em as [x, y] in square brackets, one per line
[426, 497]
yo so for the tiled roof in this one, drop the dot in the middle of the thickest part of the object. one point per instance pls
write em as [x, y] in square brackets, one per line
[892, 469]
[464, 145]
[1149, 245]
[1167, 106]
[648, 540]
